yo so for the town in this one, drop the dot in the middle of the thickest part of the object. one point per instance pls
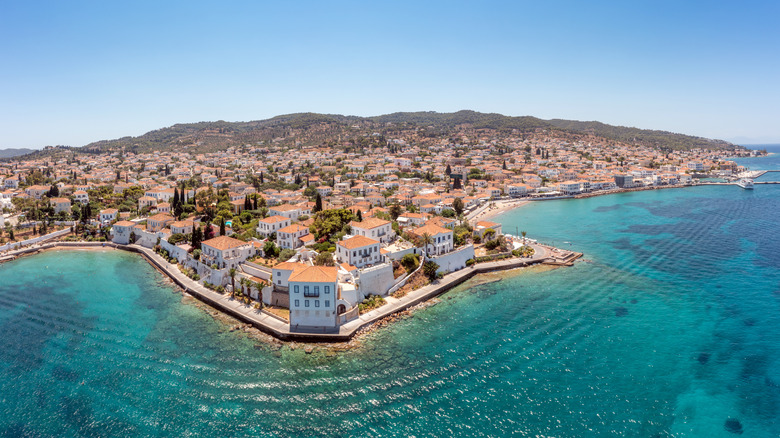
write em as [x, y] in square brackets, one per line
[318, 235]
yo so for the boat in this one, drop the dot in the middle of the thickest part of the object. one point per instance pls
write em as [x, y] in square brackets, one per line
[746, 183]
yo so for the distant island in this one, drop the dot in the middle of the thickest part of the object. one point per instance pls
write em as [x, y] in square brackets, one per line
[10, 153]
[424, 128]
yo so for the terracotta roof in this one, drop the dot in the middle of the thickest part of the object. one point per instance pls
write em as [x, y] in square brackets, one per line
[124, 224]
[431, 229]
[369, 223]
[289, 266]
[294, 228]
[347, 267]
[274, 219]
[315, 274]
[487, 224]
[224, 242]
[357, 242]
[162, 217]
[285, 207]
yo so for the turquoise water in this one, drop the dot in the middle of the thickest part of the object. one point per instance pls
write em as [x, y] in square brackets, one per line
[669, 327]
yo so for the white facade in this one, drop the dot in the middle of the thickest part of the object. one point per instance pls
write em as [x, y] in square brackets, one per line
[289, 237]
[272, 224]
[313, 296]
[225, 252]
[359, 251]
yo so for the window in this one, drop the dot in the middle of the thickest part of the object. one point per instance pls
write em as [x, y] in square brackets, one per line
[306, 302]
[279, 282]
[327, 289]
[354, 253]
[327, 303]
[296, 289]
[306, 292]
[297, 303]
[316, 303]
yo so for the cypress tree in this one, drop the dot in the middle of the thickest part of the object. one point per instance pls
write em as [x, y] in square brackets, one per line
[255, 202]
[222, 226]
[317, 203]
[359, 216]
[261, 177]
[176, 200]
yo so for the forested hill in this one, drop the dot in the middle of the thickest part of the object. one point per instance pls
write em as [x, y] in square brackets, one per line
[331, 129]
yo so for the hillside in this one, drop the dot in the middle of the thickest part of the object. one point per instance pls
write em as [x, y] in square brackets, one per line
[319, 129]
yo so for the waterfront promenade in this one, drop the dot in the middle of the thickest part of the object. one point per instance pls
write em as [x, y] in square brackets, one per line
[280, 328]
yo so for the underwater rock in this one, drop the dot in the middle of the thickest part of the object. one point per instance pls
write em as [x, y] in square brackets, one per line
[704, 358]
[734, 426]
[634, 301]
[621, 311]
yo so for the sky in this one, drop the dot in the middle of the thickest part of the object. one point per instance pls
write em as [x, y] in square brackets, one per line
[75, 72]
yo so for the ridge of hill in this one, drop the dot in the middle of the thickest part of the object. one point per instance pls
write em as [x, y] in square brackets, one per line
[331, 129]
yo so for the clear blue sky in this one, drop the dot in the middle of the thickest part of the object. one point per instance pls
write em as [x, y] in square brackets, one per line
[75, 72]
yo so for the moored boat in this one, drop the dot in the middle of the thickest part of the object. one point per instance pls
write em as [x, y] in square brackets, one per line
[745, 183]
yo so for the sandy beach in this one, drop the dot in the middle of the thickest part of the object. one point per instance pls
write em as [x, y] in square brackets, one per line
[494, 209]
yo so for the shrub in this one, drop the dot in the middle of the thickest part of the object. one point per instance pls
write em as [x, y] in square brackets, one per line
[491, 244]
[410, 262]
[470, 262]
[286, 254]
[324, 259]
[371, 302]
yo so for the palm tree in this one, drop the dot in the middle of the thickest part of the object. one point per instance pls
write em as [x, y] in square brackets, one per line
[523, 233]
[426, 240]
[232, 273]
[242, 282]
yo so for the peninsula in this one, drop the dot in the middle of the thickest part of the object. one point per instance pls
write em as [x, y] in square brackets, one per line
[314, 226]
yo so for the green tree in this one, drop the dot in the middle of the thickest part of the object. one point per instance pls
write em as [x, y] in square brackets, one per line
[232, 273]
[395, 211]
[324, 259]
[429, 269]
[410, 262]
[270, 249]
[317, 204]
[286, 254]
[426, 240]
[457, 204]
[222, 226]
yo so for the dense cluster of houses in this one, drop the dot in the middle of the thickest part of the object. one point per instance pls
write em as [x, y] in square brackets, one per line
[429, 183]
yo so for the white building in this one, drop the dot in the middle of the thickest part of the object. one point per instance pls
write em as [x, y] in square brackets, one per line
[272, 224]
[290, 236]
[441, 239]
[359, 251]
[108, 215]
[81, 196]
[374, 228]
[225, 252]
[121, 232]
[313, 296]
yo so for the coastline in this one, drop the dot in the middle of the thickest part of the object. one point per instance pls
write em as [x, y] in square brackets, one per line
[270, 325]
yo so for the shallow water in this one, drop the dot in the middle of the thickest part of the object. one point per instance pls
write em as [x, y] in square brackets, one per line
[669, 327]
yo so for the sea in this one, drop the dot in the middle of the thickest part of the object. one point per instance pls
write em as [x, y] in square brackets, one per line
[669, 326]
